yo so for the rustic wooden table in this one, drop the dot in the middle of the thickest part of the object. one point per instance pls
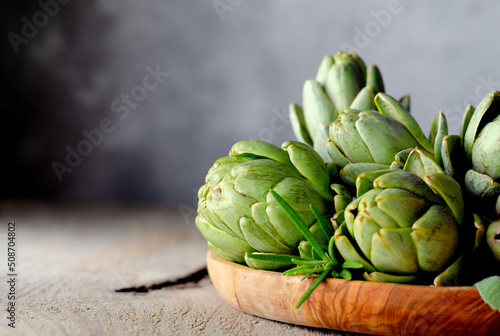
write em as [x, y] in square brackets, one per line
[70, 260]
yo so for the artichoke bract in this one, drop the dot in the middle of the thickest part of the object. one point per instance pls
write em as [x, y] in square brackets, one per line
[238, 215]
[404, 226]
[342, 82]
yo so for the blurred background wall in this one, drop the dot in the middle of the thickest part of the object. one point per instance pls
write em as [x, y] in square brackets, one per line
[133, 101]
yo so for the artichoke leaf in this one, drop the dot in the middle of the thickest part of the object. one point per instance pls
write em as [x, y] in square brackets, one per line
[261, 218]
[272, 265]
[222, 240]
[333, 171]
[408, 181]
[401, 158]
[320, 141]
[364, 100]
[350, 172]
[486, 150]
[296, 115]
[345, 135]
[393, 251]
[350, 215]
[365, 181]
[284, 226]
[342, 197]
[469, 111]
[310, 164]
[337, 157]
[221, 169]
[260, 148]
[497, 207]
[481, 185]
[449, 275]
[435, 236]
[318, 109]
[383, 136]
[370, 205]
[374, 79]
[385, 277]
[421, 164]
[324, 68]
[348, 251]
[453, 156]
[405, 102]
[360, 64]
[403, 206]
[229, 206]
[450, 192]
[486, 111]
[441, 130]
[260, 240]
[215, 220]
[364, 229]
[253, 179]
[226, 255]
[392, 108]
[434, 129]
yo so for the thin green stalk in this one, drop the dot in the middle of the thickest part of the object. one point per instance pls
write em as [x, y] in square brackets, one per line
[311, 288]
[300, 224]
[327, 229]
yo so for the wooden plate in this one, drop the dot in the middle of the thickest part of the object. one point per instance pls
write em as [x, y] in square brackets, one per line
[356, 306]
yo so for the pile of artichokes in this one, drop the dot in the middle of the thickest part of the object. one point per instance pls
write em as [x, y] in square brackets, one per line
[405, 207]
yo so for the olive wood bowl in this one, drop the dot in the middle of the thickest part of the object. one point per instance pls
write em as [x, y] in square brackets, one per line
[355, 306]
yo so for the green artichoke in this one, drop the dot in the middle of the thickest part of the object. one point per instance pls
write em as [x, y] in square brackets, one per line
[373, 137]
[482, 148]
[342, 82]
[404, 225]
[471, 159]
[238, 215]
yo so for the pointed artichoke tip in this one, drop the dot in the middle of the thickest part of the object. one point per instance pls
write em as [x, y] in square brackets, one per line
[418, 150]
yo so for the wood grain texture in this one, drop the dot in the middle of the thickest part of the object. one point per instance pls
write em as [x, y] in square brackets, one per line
[358, 306]
[72, 258]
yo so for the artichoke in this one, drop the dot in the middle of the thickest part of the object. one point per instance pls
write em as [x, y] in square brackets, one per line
[237, 213]
[342, 82]
[482, 148]
[471, 158]
[404, 225]
[371, 140]
[374, 137]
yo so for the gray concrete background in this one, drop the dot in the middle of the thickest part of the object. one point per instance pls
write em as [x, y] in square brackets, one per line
[233, 67]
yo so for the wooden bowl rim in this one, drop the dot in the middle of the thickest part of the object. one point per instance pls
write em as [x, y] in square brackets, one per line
[243, 268]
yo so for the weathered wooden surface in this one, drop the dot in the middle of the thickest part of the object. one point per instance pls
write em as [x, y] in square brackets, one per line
[71, 259]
